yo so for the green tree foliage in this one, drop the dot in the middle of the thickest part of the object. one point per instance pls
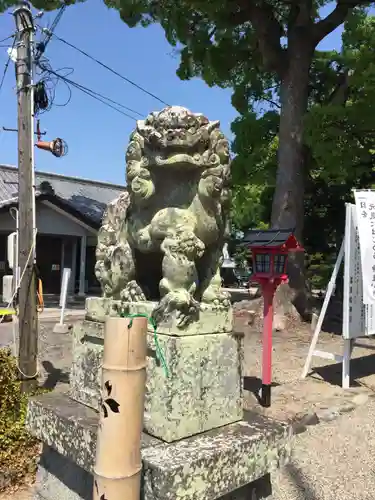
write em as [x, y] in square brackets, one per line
[305, 123]
[339, 122]
[263, 50]
[38, 4]
[339, 134]
[338, 139]
[340, 127]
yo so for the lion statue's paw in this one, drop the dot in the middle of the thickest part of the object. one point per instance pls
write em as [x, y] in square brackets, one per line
[181, 302]
[216, 299]
[132, 293]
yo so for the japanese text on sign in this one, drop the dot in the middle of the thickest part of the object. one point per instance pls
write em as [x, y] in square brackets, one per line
[365, 209]
[358, 318]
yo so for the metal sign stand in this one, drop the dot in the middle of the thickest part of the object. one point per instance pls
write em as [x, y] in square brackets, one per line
[348, 345]
[349, 336]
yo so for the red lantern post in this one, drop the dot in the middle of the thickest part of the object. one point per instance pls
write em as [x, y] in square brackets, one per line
[269, 250]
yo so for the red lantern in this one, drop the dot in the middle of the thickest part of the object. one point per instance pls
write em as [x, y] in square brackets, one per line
[269, 250]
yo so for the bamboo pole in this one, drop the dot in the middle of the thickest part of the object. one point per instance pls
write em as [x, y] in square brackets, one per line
[117, 472]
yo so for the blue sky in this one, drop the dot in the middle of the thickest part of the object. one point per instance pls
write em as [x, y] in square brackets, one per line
[96, 135]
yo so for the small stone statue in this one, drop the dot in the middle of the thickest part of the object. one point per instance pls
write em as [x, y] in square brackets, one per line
[163, 239]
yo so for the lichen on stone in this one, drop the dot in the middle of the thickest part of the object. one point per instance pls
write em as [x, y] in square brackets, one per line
[163, 239]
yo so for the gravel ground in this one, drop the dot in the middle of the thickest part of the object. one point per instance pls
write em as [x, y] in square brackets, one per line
[54, 349]
[291, 396]
[21, 494]
[332, 461]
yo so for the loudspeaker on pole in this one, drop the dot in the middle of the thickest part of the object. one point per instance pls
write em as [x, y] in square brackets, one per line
[57, 147]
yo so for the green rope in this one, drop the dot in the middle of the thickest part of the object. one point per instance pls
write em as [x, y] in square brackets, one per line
[159, 351]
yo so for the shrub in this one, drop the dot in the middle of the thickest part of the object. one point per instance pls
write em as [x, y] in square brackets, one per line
[18, 449]
[319, 270]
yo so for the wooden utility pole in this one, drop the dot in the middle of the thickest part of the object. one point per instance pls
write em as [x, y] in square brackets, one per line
[28, 319]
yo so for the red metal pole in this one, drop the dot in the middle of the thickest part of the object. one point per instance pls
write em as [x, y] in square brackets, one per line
[268, 294]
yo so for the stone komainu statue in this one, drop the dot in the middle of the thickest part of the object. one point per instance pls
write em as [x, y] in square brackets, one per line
[162, 240]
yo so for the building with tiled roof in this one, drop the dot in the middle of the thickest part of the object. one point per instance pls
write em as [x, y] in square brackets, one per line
[68, 215]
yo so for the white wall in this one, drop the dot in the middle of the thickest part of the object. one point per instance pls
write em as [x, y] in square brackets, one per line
[48, 221]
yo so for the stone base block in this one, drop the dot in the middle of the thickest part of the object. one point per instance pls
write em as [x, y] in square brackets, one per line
[203, 389]
[58, 478]
[61, 328]
[211, 465]
[210, 319]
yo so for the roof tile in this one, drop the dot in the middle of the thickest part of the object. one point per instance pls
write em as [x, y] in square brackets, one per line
[86, 196]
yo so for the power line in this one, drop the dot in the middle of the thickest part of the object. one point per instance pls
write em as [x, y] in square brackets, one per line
[107, 99]
[42, 45]
[108, 68]
[57, 18]
[7, 64]
[95, 95]
[7, 38]
[90, 91]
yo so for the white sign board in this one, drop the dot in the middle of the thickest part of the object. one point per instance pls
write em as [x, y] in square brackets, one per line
[228, 262]
[12, 249]
[365, 209]
[64, 286]
[61, 327]
[358, 318]
[8, 295]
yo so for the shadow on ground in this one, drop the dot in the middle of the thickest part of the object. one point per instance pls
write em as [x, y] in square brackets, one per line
[359, 368]
[254, 385]
[297, 476]
[69, 305]
[54, 376]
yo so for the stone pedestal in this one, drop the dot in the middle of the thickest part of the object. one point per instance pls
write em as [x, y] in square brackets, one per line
[196, 443]
[202, 390]
[221, 463]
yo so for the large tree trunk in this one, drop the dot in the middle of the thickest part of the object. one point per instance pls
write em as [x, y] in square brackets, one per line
[288, 202]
